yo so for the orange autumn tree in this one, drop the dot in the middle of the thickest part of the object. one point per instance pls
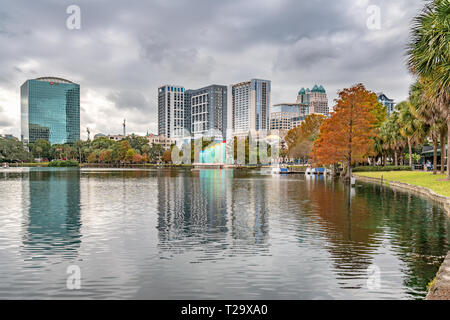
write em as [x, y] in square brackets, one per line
[347, 136]
[300, 139]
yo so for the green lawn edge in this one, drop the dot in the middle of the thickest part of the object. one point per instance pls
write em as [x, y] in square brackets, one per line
[417, 178]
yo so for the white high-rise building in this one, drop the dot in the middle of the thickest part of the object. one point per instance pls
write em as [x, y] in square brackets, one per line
[171, 111]
[248, 107]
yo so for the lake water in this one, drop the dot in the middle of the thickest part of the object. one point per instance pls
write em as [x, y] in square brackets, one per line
[209, 234]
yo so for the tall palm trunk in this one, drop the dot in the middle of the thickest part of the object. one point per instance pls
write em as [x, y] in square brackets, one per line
[410, 152]
[448, 146]
[435, 146]
[442, 149]
[395, 158]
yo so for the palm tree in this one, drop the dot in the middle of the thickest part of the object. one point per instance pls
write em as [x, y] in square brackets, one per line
[411, 127]
[378, 148]
[429, 54]
[427, 111]
[389, 133]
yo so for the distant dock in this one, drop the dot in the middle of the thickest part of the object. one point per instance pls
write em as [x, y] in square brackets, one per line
[209, 166]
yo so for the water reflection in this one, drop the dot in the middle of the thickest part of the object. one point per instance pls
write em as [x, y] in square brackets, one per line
[417, 231]
[200, 210]
[52, 221]
[177, 233]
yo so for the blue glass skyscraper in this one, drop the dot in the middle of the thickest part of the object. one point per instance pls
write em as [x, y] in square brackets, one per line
[50, 110]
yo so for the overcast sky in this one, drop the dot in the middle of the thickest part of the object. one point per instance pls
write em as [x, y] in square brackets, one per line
[126, 49]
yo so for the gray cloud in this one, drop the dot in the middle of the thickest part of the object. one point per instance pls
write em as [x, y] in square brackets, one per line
[129, 100]
[5, 122]
[124, 52]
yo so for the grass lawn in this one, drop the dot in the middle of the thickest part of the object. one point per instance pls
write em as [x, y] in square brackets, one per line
[418, 178]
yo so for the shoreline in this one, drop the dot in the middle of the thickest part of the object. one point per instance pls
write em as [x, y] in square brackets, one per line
[440, 290]
[143, 166]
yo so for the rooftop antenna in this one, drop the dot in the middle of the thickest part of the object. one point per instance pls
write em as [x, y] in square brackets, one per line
[124, 126]
[89, 133]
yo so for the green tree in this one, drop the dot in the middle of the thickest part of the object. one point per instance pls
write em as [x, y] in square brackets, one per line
[155, 153]
[129, 155]
[13, 150]
[102, 143]
[62, 151]
[426, 110]
[393, 141]
[429, 56]
[41, 149]
[124, 146]
[145, 149]
[138, 143]
[411, 127]
[92, 158]
[79, 147]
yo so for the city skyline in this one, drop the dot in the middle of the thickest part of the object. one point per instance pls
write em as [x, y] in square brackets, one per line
[120, 58]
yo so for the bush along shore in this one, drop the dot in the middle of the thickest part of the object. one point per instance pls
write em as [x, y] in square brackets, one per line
[63, 163]
[381, 168]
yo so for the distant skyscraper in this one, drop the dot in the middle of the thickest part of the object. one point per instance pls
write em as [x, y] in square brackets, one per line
[206, 111]
[316, 99]
[282, 114]
[388, 103]
[171, 111]
[248, 106]
[50, 110]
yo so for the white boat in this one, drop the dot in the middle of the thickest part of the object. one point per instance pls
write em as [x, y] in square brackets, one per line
[276, 169]
[5, 165]
[279, 169]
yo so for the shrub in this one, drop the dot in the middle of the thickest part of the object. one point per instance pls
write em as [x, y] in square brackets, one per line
[63, 163]
[380, 168]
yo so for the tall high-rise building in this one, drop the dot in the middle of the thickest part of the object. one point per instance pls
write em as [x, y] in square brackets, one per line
[388, 103]
[316, 99]
[206, 111]
[171, 111]
[50, 110]
[248, 106]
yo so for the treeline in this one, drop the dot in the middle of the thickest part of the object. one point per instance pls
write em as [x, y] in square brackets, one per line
[13, 150]
[360, 132]
[101, 150]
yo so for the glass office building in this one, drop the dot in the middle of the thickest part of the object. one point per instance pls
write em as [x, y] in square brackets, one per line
[50, 110]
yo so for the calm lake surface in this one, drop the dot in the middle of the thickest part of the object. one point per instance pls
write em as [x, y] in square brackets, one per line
[182, 234]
